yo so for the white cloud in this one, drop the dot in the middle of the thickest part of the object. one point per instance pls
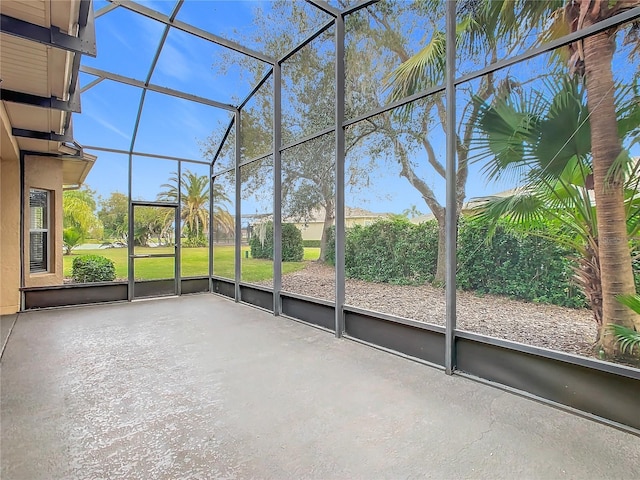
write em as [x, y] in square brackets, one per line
[108, 125]
[174, 64]
[114, 33]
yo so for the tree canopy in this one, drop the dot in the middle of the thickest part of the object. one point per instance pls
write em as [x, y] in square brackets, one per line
[79, 218]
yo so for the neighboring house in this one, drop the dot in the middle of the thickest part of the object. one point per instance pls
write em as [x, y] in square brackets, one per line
[312, 228]
[40, 47]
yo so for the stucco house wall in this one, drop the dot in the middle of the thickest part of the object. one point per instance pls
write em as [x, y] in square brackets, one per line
[9, 219]
[45, 174]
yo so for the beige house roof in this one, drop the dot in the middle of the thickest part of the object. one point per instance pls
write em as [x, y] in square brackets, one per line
[317, 215]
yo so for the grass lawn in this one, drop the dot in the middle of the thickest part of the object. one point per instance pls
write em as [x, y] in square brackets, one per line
[195, 262]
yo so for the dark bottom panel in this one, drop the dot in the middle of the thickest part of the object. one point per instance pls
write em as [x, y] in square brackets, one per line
[228, 289]
[605, 394]
[258, 297]
[194, 285]
[154, 288]
[308, 311]
[66, 295]
[413, 341]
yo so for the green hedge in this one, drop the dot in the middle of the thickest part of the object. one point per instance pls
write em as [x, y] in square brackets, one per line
[292, 247]
[392, 251]
[526, 267]
[93, 268]
[311, 243]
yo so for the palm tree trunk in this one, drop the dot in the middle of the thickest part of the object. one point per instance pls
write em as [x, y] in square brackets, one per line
[614, 255]
[588, 277]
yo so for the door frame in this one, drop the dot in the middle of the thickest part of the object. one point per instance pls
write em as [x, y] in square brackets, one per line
[131, 249]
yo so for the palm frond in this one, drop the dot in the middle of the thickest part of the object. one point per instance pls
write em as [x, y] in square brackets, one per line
[539, 13]
[522, 208]
[627, 103]
[631, 301]
[555, 28]
[564, 132]
[506, 131]
[627, 338]
[621, 168]
[421, 71]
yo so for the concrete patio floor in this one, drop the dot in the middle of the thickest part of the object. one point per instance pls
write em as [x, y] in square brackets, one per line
[199, 387]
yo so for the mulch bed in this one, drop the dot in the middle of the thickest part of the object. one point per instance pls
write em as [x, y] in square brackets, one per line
[549, 326]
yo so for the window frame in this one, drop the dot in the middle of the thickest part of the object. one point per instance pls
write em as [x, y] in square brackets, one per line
[46, 231]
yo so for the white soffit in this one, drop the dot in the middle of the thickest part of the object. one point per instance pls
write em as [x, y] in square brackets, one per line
[24, 66]
[32, 68]
[33, 118]
[32, 11]
[75, 171]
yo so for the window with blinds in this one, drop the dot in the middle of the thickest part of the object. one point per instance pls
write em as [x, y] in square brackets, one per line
[38, 230]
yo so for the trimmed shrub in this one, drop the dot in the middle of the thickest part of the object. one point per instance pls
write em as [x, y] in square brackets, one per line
[261, 242]
[311, 243]
[392, 251]
[526, 267]
[93, 268]
[292, 247]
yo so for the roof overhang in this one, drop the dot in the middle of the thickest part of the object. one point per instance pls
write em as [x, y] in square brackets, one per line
[41, 42]
[75, 168]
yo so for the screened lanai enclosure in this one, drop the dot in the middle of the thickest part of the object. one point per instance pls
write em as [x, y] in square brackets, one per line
[454, 182]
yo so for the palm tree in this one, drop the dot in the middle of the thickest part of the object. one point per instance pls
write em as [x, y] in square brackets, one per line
[72, 237]
[78, 218]
[195, 204]
[545, 139]
[595, 56]
[591, 58]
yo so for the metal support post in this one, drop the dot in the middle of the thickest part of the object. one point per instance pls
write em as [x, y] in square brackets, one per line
[339, 172]
[211, 181]
[238, 225]
[450, 212]
[325, 7]
[23, 271]
[277, 188]
[154, 88]
[185, 27]
[130, 234]
[178, 235]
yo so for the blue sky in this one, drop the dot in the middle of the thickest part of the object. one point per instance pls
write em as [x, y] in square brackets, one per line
[170, 126]
[176, 127]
